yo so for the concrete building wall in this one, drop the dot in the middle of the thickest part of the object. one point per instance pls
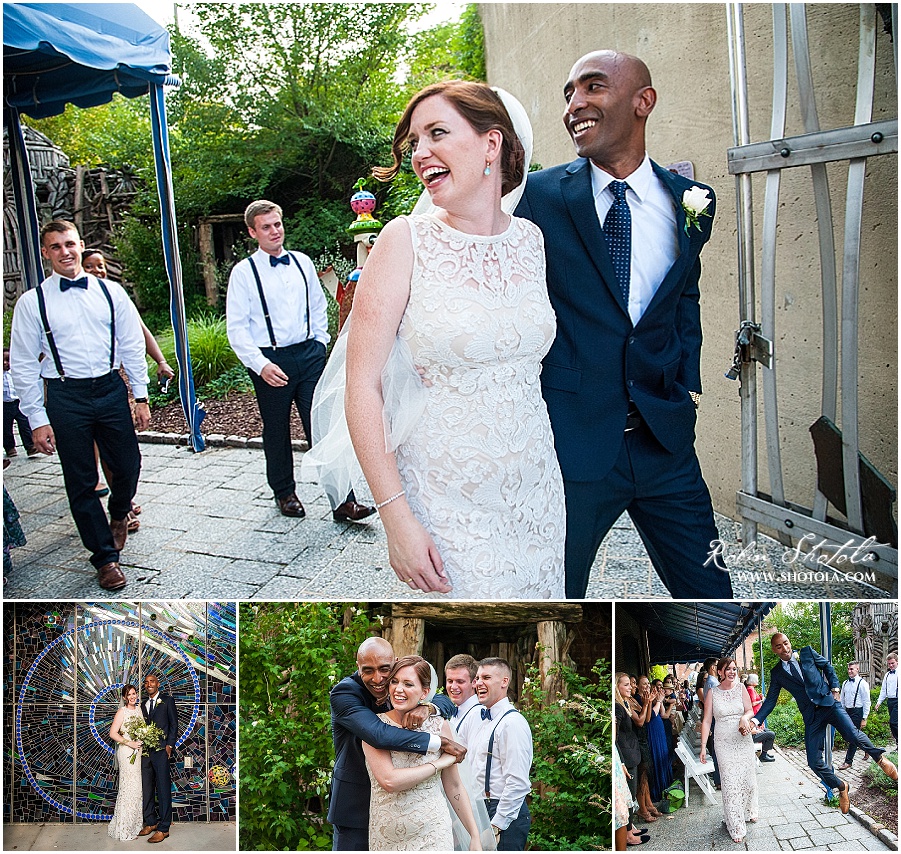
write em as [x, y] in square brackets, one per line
[530, 49]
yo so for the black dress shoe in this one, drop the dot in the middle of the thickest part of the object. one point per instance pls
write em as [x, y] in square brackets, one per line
[290, 506]
[352, 511]
[765, 757]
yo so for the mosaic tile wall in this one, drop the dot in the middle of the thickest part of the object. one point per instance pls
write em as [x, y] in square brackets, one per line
[64, 666]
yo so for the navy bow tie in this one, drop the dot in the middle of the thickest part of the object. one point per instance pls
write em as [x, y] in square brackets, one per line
[455, 712]
[65, 284]
[282, 259]
[891, 671]
[486, 714]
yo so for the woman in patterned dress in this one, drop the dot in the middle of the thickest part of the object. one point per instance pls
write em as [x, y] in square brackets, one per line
[128, 816]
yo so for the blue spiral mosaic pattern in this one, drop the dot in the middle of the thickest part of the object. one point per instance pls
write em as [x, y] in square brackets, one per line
[78, 659]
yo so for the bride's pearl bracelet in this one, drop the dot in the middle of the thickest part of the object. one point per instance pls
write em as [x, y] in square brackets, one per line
[381, 504]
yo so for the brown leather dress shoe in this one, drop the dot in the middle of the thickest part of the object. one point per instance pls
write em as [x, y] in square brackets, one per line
[290, 506]
[146, 830]
[159, 836]
[352, 511]
[110, 576]
[119, 527]
[887, 766]
[844, 802]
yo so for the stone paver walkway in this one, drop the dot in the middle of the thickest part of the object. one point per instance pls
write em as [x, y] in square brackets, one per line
[210, 530]
[92, 836]
[793, 817]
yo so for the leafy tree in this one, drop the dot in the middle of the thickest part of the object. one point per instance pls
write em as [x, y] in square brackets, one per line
[571, 771]
[291, 654]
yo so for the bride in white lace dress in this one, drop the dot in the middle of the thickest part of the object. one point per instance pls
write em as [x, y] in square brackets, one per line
[407, 806]
[472, 498]
[129, 812]
[730, 705]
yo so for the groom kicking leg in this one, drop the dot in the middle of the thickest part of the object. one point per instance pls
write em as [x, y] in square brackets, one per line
[811, 680]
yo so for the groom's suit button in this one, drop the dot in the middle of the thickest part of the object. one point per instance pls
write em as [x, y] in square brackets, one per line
[632, 340]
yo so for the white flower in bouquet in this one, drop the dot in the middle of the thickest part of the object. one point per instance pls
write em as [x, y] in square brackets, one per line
[150, 735]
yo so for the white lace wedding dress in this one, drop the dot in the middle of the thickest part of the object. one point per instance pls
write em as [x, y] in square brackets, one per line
[128, 816]
[417, 819]
[736, 760]
[479, 469]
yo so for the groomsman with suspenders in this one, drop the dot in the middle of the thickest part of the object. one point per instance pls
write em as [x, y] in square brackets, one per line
[889, 693]
[855, 699]
[459, 679]
[74, 331]
[501, 751]
[277, 326]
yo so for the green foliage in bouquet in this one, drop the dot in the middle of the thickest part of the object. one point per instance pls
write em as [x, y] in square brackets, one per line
[150, 735]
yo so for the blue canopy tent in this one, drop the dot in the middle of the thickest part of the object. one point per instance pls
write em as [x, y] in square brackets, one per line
[60, 53]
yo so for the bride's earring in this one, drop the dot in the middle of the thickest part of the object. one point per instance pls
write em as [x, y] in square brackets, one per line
[487, 167]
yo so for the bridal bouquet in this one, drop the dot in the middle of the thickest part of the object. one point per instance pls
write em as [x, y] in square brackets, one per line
[150, 735]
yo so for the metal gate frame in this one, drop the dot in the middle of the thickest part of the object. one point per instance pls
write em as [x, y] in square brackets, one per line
[754, 341]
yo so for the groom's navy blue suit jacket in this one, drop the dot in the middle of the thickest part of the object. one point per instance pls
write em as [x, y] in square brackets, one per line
[354, 720]
[599, 359]
[165, 716]
[814, 689]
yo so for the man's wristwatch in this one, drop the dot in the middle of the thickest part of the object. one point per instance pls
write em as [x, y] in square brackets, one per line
[140, 400]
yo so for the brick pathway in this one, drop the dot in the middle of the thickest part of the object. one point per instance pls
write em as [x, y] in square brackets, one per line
[793, 817]
[210, 529]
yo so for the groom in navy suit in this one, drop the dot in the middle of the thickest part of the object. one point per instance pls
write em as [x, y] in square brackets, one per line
[355, 702]
[811, 680]
[622, 379]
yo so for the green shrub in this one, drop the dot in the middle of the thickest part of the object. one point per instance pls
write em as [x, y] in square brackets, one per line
[211, 354]
[877, 728]
[233, 380]
[877, 777]
[571, 765]
[291, 654]
[7, 326]
[786, 722]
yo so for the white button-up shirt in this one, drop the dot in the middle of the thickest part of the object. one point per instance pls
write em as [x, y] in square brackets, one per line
[889, 688]
[286, 298]
[856, 687]
[511, 762]
[80, 322]
[655, 236]
[467, 721]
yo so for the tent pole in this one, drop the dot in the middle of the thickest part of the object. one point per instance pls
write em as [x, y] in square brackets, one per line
[27, 219]
[826, 652]
[193, 411]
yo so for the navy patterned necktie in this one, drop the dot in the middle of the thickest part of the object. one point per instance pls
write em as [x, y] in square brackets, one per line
[618, 231]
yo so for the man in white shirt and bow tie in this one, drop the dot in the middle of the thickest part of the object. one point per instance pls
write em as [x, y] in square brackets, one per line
[889, 693]
[73, 332]
[459, 682]
[501, 751]
[855, 699]
[277, 325]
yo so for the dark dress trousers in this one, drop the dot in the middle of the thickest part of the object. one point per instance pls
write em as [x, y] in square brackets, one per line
[354, 720]
[601, 364]
[813, 693]
[156, 778]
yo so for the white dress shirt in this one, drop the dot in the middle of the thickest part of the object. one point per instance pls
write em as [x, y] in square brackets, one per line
[655, 237]
[286, 298]
[467, 721]
[80, 322]
[889, 688]
[9, 390]
[856, 687]
[511, 760]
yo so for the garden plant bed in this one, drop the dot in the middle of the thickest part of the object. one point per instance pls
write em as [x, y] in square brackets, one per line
[876, 803]
[235, 415]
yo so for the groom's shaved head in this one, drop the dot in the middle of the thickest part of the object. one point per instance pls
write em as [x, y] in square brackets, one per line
[375, 658]
[781, 645]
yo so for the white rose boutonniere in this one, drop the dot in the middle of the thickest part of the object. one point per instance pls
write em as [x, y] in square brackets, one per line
[695, 202]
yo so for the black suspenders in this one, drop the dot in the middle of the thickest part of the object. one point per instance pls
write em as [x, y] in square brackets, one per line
[54, 350]
[490, 749]
[856, 692]
[306, 284]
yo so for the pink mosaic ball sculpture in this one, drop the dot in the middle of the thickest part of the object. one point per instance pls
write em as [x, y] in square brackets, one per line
[362, 202]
